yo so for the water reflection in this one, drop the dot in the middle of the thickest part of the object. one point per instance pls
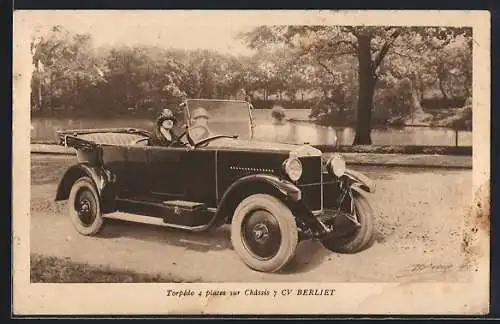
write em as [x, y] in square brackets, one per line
[289, 132]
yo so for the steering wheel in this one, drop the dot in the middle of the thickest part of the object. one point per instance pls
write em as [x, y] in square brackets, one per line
[206, 140]
[177, 139]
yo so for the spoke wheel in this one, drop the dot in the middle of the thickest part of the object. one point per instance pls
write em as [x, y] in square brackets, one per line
[261, 234]
[85, 208]
[264, 233]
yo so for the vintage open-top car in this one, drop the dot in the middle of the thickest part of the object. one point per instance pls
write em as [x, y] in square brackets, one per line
[273, 195]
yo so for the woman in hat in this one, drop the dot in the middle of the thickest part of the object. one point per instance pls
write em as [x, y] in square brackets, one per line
[163, 134]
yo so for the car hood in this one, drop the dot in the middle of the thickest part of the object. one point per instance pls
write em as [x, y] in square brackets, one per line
[262, 146]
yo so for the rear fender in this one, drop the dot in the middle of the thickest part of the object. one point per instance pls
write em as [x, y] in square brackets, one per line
[253, 184]
[103, 180]
[356, 188]
[360, 181]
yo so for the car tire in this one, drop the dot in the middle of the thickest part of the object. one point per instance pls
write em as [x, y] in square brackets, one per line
[362, 236]
[85, 208]
[264, 233]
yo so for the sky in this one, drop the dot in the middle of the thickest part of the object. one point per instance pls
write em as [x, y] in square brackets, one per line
[208, 29]
[167, 30]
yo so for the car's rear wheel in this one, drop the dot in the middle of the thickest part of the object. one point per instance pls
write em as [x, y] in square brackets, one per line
[264, 233]
[85, 208]
[353, 239]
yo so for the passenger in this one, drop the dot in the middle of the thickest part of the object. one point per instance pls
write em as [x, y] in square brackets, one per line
[163, 134]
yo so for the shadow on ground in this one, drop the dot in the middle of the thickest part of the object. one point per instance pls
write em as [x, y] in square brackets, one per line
[309, 254]
[213, 240]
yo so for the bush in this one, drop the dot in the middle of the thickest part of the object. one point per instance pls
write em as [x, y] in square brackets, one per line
[278, 113]
[392, 101]
[441, 103]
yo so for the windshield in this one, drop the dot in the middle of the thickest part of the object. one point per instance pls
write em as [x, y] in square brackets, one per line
[207, 118]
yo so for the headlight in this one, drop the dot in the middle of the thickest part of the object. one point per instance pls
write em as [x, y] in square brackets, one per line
[336, 165]
[293, 168]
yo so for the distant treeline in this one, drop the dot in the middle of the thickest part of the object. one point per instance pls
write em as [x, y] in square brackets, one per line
[421, 68]
[427, 103]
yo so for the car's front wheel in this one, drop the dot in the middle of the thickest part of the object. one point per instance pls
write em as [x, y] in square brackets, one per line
[349, 237]
[264, 233]
[85, 208]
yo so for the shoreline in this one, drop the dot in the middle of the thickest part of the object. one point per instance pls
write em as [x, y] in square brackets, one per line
[393, 125]
[416, 159]
[45, 146]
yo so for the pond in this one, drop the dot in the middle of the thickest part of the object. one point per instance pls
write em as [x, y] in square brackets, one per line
[44, 128]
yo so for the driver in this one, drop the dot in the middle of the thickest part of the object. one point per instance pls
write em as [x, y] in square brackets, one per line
[199, 128]
[163, 134]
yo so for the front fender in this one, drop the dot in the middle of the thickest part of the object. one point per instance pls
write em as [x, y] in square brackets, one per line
[257, 183]
[360, 180]
[101, 178]
[286, 188]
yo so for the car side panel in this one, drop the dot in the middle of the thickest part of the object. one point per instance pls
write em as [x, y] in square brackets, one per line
[165, 172]
[114, 159]
[137, 167]
[199, 168]
[233, 165]
[130, 166]
[161, 173]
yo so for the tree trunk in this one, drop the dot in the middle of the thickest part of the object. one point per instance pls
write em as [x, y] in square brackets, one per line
[422, 90]
[341, 115]
[48, 100]
[39, 92]
[441, 79]
[468, 84]
[415, 98]
[366, 90]
[38, 81]
[441, 88]
[416, 108]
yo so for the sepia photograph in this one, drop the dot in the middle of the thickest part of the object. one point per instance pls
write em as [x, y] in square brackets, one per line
[253, 162]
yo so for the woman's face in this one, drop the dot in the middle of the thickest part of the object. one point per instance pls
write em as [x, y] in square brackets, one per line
[168, 124]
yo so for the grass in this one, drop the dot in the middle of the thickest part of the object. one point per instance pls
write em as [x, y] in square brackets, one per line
[49, 170]
[45, 269]
[398, 149]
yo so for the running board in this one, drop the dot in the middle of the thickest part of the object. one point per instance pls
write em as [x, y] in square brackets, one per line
[174, 213]
[151, 220]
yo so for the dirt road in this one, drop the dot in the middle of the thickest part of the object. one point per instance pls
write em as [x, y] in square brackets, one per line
[419, 217]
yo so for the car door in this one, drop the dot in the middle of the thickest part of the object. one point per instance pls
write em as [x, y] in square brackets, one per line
[129, 165]
[166, 172]
[200, 175]
[137, 170]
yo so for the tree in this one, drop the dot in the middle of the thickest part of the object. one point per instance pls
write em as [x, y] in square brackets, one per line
[424, 57]
[143, 77]
[64, 62]
[369, 44]
[374, 70]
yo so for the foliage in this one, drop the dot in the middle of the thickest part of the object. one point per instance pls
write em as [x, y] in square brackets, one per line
[363, 75]
[278, 113]
[409, 59]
